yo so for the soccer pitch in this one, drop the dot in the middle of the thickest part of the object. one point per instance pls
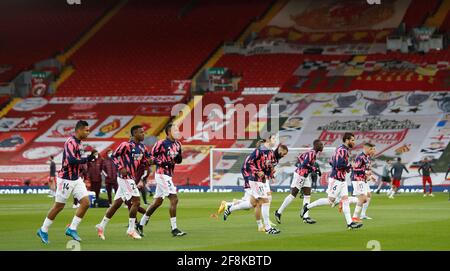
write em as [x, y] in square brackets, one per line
[409, 222]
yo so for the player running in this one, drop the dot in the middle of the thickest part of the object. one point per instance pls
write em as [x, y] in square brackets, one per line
[361, 174]
[385, 176]
[128, 157]
[264, 145]
[306, 165]
[165, 154]
[425, 169]
[396, 172]
[69, 182]
[257, 169]
[337, 186]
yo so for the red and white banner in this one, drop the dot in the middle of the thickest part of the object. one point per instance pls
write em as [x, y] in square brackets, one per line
[38, 153]
[7, 124]
[61, 130]
[15, 141]
[384, 140]
[344, 16]
[110, 126]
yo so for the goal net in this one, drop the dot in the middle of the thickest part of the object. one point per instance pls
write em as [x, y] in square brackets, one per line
[226, 164]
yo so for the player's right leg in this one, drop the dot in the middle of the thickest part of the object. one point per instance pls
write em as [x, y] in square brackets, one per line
[265, 213]
[243, 204]
[342, 192]
[101, 227]
[42, 233]
[296, 185]
[257, 205]
[173, 216]
[332, 195]
[260, 192]
[71, 230]
[424, 185]
[135, 203]
[358, 198]
[162, 191]
[430, 182]
[287, 201]
[306, 189]
[157, 201]
[79, 192]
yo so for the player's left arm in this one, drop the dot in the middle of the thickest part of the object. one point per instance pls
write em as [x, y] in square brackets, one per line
[179, 157]
[405, 168]
[432, 169]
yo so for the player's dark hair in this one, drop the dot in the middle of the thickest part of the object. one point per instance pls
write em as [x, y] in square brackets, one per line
[81, 124]
[134, 128]
[51, 157]
[316, 143]
[347, 136]
[168, 127]
[368, 144]
[283, 147]
[399, 159]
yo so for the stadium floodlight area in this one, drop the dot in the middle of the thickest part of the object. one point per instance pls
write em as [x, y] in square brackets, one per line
[226, 164]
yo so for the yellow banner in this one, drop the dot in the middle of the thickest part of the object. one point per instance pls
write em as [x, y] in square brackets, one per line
[152, 126]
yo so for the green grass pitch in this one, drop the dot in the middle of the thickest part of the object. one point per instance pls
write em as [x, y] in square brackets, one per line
[409, 222]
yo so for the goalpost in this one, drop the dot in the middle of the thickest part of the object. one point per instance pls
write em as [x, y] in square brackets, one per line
[225, 166]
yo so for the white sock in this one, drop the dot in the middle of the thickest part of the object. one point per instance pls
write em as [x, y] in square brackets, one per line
[243, 205]
[75, 221]
[346, 211]
[144, 220]
[319, 202]
[47, 223]
[364, 208]
[353, 200]
[306, 200]
[131, 224]
[289, 198]
[259, 223]
[104, 222]
[357, 211]
[173, 222]
[265, 210]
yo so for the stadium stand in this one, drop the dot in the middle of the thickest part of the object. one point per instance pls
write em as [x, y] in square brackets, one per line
[419, 11]
[36, 36]
[144, 46]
